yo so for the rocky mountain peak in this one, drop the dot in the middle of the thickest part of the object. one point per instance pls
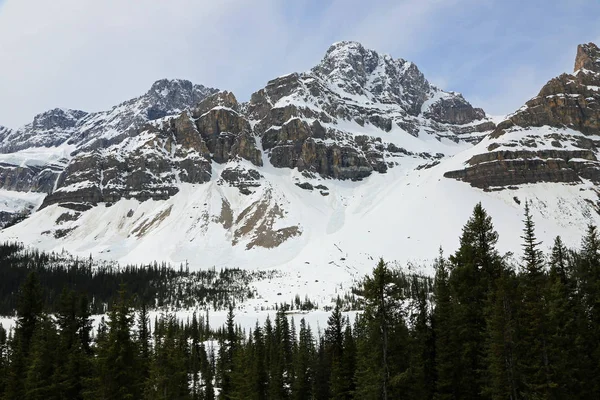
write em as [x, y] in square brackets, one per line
[356, 71]
[164, 87]
[552, 138]
[223, 99]
[167, 96]
[588, 57]
[58, 118]
[366, 76]
[350, 59]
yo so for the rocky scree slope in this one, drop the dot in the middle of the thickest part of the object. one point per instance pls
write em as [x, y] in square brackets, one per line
[554, 137]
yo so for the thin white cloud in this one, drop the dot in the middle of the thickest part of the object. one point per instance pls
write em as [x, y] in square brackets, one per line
[91, 54]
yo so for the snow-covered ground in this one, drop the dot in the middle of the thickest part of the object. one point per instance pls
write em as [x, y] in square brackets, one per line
[404, 215]
[39, 156]
[247, 320]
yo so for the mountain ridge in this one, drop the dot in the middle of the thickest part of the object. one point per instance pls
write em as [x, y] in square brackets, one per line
[318, 173]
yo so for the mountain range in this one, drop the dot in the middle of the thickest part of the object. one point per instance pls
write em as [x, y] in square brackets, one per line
[318, 174]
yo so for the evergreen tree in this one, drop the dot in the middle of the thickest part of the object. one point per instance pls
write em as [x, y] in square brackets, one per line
[118, 374]
[536, 372]
[3, 359]
[503, 378]
[227, 350]
[348, 363]
[74, 364]
[168, 372]
[445, 340]
[334, 345]
[207, 374]
[321, 374]
[285, 341]
[588, 271]
[195, 357]
[302, 363]
[38, 383]
[564, 312]
[143, 340]
[29, 313]
[420, 377]
[383, 336]
[476, 266]
[258, 370]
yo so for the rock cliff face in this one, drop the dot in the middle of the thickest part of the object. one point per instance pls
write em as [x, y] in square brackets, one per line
[48, 129]
[310, 121]
[354, 114]
[552, 138]
[151, 163]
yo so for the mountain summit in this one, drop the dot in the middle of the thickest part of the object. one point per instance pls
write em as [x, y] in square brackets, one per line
[319, 171]
[552, 138]
[588, 57]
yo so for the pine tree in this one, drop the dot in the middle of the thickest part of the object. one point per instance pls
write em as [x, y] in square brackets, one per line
[564, 312]
[168, 371]
[476, 266]
[334, 345]
[381, 350]
[226, 353]
[29, 312]
[72, 370]
[241, 378]
[3, 359]
[207, 374]
[38, 383]
[421, 375]
[503, 377]
[321, 374]
[258, 370]
[348, 363]
[445, 340]
[588, 271]
[195, 357]
[303, 359]
[117, 360]
[143, 341]
[535, 360]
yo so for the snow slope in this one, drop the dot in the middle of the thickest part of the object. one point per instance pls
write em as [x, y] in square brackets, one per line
[404, 215]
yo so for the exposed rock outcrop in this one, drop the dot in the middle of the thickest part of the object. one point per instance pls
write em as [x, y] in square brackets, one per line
[525, 147]
[28, 178]
[588, 57]
[242, 178]
[321, 122]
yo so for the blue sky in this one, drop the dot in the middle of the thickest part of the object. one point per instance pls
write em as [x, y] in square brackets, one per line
[91, 55]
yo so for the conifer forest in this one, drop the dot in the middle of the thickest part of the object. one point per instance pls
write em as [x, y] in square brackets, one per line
[487, 325]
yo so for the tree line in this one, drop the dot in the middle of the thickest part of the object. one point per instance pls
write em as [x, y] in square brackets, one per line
[482, 328]
[156, 285]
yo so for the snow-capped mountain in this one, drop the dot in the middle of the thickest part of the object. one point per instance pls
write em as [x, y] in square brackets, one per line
[318, 173]
[34, 155]
[48, 129]
[552, 138]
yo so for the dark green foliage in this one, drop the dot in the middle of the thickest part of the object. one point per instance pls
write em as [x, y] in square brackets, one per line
[383, 336]
[475, 268]
[42, 360]
[536, 371]
[4, 358]
[149, 284]
[117, 362]
[482, 329]
[29, 311]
